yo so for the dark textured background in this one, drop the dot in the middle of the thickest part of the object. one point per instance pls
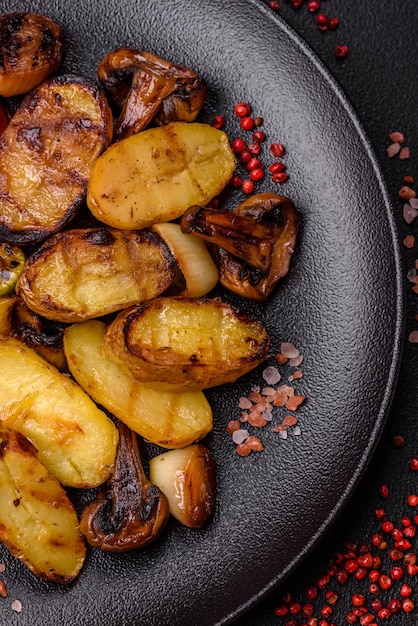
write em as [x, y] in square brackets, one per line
[380, 76]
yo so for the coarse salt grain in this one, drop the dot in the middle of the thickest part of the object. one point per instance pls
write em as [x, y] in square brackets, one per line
[409, 241]
[411, 274]
[16, 606]
[2, 567]
[271, 375]
[413, 336]
[409, 212]
[296, 361]
[239, 436]
[268, 391]
[244, 403]
[393, 149]
[297, 431]
[404, 153]
[289, 350]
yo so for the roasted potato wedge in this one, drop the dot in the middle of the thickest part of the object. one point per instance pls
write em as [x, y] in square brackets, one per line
[46, 156]
[155, 175]
[31, 50]
[163, 417]
[193, 343]
[75, 440]
[38, 523]
[85, 273]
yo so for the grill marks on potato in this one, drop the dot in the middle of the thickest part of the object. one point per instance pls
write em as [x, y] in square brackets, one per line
[85, 273]
[46, 155]
[191, 343]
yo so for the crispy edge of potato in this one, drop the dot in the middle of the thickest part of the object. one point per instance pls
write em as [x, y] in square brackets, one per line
[163, 364]
[21, 141]
[38, 523]
[58, 280]
[163, 417]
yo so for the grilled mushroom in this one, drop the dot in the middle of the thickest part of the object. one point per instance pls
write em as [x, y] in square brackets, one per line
[129, 512]
[253, 244]
[148, 88]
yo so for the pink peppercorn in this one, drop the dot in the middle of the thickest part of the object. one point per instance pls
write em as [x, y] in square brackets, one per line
[385, 581]
[408, 605]
[397, 573]
[383, 491]
[247, 123]
[405, 590]
[242, 109]
[414, 464]
[340, 51]
[218, 122]
[313, 6]
[238, 145]
[395, 606]
[277, 150]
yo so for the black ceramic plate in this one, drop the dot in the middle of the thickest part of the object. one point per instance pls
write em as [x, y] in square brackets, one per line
[341, 304]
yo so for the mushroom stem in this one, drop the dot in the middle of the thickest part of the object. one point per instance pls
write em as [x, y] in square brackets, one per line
[253, 244]
[130, 512]
[148, 88]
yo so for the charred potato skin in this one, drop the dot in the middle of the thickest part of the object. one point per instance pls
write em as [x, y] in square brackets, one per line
[38, 523]
[61, 127]
[198, 369]
[126, 266]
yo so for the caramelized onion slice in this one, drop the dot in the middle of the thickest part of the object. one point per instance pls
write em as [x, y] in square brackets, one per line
[31, 50]
[193, 257]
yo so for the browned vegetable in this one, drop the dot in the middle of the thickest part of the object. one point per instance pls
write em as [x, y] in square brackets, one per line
[155, 175]
[157, 413]
[188, 478]
[84, 273]
[130, 512]
[38, 523]
[46, 156]
[31, 48]
[42, 335]
[193, 343]
[76, 441]
[254, 243]
[149, 88]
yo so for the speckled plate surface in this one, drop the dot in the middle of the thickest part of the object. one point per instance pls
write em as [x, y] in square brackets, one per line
[341, 304]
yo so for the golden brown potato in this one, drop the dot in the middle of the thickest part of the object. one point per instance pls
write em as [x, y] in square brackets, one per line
[31, 50]
[46, 156]
[155, 175]
[159, 415]
[75, 440]
[193, 343]
[38, 523]
[85, 273]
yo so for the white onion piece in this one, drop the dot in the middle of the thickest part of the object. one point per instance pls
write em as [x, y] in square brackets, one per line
[187, 477]
[198, 268]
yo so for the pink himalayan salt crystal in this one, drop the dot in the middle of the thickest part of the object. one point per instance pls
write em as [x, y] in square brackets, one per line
[296, 361]
[16, 606]
[245, 403]
[271, 375]
[393, 149]
[397, 136]
[289, 350]
[2, 568]
[404, 153]
[413, 336]
[239, 436]
[409, 212]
